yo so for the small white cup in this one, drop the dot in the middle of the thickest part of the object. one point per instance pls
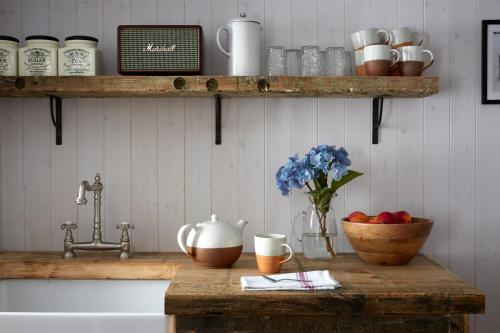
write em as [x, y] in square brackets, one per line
[379, 59]
[370, 36]
[405, 37]
[270, 252]
[380, 52]
[413, 60]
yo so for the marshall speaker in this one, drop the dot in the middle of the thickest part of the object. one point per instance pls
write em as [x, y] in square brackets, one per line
[160, 49]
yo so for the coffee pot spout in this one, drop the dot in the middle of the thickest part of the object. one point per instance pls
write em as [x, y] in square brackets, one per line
[241, 225]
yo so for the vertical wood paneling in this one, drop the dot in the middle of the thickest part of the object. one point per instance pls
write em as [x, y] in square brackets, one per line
[11, 174]
[144, 159]
[487, 176]
[11, 145]
[251, 149]
[304, 110]
[117, 164]
[331, 111]
[37, 145]
[225, 156]
[278, 124]
[358, 121]
[463, 146]
[437, 133]
[171, 159]
[383, 165]
[63, 158]
[410, 164]
[144, 173]
[199, 135]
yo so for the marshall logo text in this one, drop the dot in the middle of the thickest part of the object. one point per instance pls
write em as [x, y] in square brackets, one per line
[157, 48]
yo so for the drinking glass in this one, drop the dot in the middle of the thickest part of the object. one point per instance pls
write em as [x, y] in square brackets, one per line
[310, 61]
[322, 63]
[293, 62]
[338, 61]
[276, 61]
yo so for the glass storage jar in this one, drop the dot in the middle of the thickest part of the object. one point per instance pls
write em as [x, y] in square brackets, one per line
[8, 55]
[39, 56]
[79, 56]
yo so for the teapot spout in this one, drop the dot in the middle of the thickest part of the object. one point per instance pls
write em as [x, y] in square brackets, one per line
[241, 225]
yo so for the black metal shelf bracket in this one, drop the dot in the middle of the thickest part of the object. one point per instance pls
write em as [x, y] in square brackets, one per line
[218, 120]
[57, 117]
[377, 110]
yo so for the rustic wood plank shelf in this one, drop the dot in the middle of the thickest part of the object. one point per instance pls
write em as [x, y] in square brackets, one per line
[258, 86]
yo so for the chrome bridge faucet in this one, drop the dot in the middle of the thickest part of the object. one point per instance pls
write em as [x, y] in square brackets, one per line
[97, 243]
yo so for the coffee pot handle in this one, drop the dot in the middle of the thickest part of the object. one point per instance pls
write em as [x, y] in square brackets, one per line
[295, 220]
[431, 60]
[181, 237]
[217, 38]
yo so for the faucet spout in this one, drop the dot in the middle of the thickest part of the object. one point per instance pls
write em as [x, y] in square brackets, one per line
[84, 187]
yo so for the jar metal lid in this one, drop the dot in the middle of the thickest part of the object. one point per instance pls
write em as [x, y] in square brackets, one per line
[43, 37]
[9, 38]
[81, 37]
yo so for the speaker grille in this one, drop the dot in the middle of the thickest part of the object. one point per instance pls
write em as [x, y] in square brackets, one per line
[184, 57]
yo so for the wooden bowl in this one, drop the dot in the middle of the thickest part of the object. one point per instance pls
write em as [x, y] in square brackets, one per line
[387, 244]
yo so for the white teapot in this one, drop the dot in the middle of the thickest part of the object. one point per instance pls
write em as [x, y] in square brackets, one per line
[213, 243]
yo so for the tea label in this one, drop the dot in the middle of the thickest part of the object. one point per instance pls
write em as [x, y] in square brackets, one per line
[5, 61]
[37, 61]
[77, 61]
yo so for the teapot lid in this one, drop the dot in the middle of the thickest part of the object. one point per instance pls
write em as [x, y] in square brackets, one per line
[243, 18]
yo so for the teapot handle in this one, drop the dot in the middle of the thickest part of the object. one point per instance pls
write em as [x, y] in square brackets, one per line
[295, 220]
[217, 38]
[181, 237]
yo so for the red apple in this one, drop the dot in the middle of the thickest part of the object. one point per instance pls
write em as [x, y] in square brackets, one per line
[386, 218]
[402, 217]
[357, 216]
[373, 220]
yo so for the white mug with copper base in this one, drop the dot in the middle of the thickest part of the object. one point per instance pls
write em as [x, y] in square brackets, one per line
[370, 36]
[379, 59]
[405, 37]
[360, 62]
[270, 252]
[413, 60]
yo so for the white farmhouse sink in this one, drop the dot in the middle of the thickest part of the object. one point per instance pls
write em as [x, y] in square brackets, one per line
[82, 306]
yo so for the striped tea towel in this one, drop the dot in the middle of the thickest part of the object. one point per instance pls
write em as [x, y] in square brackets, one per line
[320, 280]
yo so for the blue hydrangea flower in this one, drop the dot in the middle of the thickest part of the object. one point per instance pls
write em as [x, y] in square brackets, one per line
[295, 173]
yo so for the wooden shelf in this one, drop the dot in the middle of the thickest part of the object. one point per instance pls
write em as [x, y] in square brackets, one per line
[258, 86]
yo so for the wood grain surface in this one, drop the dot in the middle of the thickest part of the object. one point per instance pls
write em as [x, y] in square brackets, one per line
[420, 288]
[51, 265]
[158, 86]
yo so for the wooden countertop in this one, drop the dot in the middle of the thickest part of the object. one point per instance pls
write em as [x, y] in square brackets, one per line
[421, 287]
[51, 265]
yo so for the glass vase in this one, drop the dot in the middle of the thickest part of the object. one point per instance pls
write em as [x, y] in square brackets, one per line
[316, 233]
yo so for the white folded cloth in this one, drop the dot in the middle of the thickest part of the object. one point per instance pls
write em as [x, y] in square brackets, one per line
[319, 280]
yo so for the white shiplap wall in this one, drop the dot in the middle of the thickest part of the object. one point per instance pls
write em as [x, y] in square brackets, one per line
[438, 157]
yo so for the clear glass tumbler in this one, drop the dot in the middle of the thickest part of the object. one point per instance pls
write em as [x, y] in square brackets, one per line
[322, 63]
[311, 62]
[338, 62]
[276, 60]
[293, 59]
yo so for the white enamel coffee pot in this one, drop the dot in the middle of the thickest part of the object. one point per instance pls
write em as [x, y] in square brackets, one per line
[244, 46]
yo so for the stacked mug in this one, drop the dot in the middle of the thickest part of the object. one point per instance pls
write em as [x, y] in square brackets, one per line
[379, 52]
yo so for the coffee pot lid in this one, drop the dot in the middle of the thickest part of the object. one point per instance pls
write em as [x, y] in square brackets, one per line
[243, 18]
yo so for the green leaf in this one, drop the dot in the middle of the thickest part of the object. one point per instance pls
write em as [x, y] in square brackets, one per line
[351, 175]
